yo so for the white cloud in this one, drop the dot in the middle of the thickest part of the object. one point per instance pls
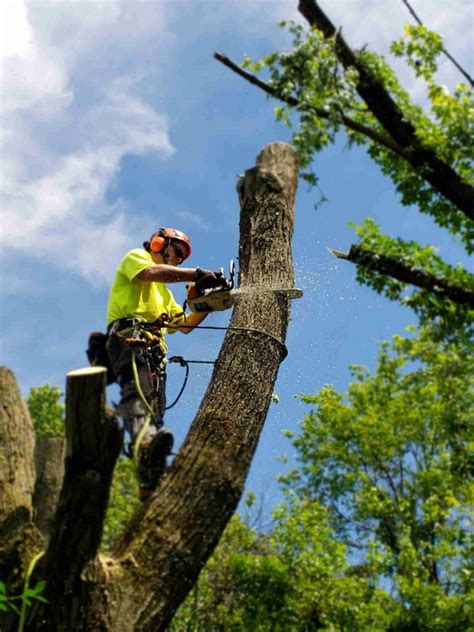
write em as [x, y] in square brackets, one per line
[72, 76]
[192, 218]
[376, 24]
[29, 74]
[71, 111]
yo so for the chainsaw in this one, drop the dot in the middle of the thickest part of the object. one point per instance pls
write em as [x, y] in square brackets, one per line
[213, 299]
[223, 297]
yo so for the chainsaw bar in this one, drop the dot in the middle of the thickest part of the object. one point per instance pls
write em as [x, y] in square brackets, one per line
[291, 293]
[219, 299]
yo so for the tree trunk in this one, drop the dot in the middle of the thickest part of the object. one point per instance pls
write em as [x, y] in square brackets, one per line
[171, 538]
[93, 443]
[168, 541]
[20, 540]
[17, 474]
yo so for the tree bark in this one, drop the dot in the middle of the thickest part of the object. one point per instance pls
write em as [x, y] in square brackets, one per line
[20, 540]
[17, 443]
[49, 465]
[171, 538]
[93, 443]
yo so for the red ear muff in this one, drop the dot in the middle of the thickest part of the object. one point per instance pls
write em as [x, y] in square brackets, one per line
[158, 243]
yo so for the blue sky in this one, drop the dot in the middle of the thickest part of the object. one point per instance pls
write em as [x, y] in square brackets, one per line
[116, 120]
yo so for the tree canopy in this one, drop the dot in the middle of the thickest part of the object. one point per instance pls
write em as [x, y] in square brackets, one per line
[426, 150]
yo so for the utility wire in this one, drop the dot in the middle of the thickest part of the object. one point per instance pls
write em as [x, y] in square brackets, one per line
[448, 55]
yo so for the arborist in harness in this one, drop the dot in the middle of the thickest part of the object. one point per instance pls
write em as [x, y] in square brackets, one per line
[139, 294]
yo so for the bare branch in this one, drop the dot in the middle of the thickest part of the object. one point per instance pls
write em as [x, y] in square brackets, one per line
[385, 141]
[448, 55]
[398, 269]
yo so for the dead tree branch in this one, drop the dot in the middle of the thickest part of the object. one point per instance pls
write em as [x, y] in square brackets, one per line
[398, 269]
[385, 141]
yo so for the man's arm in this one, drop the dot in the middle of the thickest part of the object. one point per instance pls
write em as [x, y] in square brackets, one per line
[164, 273]
[191, 320]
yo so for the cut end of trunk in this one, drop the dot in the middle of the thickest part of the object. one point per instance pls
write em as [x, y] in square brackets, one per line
[338, 253]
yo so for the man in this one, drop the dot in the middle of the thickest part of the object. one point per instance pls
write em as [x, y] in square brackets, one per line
[139, 294]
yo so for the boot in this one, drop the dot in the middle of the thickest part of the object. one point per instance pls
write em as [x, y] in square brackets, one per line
[152, 461]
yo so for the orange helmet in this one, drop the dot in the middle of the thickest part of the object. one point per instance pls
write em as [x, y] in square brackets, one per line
[161, 239]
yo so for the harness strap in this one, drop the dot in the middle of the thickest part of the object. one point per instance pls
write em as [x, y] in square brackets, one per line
[122, 323]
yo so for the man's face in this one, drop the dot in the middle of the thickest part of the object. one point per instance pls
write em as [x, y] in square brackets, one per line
[173, 255]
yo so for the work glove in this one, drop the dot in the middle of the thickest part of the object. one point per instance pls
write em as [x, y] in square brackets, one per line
[207, 279]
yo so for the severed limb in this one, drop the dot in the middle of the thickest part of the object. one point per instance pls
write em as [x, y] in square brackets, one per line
[398, 269]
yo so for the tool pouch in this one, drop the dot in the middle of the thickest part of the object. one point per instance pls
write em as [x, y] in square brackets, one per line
[97, 354]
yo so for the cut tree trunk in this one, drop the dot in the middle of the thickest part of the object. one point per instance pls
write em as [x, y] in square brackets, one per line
[170, 539]
[162, 550]
[93, 443]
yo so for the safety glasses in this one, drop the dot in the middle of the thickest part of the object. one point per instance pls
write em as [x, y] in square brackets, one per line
[179, 252]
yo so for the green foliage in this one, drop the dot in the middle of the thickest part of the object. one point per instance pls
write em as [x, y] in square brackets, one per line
[46, 410]
[7, 602]
[326, 92]
[311, 73]
[29, 594]
[374, 531]
[391, 460]
[420, 49]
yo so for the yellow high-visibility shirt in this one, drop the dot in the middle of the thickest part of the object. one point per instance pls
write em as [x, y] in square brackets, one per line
[131, 298]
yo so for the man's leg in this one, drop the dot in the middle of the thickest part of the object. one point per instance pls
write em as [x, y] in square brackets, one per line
[159, 448]
[156, 443]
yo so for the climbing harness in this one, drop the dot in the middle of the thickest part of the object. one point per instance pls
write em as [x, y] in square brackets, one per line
[145, 339]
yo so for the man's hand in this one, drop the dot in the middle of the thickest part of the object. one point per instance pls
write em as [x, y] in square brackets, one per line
[206, 279]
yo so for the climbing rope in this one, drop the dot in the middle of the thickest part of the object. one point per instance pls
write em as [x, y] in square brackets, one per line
[231, 328]
[149, 417]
